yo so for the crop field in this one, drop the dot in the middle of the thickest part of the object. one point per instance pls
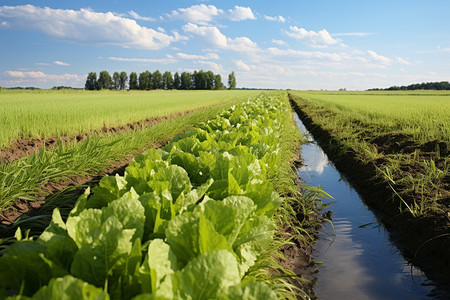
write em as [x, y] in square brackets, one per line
[35, 169]
[200, 209]
[48, 113]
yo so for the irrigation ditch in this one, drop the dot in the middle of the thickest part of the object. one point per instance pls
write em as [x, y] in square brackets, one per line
[370, 240]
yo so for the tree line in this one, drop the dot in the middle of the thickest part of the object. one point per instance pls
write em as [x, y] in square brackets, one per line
[443, 85]
[198, 80]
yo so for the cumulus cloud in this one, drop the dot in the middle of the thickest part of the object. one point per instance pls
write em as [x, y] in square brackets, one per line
[212, 36]
[239, 13]
[319, 39]
[212, 66]
[199, 14]
[242, 66]
[276, 18]
[41, 79]
[378, 58]
[135, 16]
[199, 57]
[86, 26]
[203, 14]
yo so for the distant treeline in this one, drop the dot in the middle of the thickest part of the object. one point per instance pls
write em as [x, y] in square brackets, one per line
[199, 80]
[443, 85]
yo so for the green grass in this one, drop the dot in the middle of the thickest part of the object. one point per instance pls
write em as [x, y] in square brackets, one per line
[23, 178]
[406, 135]
[49, 113]
[423, 114]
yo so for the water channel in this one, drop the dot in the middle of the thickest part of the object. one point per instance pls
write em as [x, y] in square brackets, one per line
[358, 260]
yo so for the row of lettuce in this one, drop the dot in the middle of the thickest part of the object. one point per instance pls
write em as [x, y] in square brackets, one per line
[187, 221]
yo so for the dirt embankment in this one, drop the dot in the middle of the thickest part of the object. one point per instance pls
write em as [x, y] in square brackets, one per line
[425, 239]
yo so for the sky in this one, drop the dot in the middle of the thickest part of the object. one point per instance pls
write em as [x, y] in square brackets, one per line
[290, 44]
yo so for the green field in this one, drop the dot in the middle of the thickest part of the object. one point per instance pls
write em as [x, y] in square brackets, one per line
[404, 135]
[41, 114]
[48, 113]
[423, 114]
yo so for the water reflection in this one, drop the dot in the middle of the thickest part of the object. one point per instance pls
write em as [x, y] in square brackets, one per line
[359, 262]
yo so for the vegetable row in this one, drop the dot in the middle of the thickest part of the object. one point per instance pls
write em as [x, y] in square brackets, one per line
[187, 221]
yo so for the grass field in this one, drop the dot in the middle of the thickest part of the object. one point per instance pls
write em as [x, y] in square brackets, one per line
[423, 114]
[48, 113]
[405, 135]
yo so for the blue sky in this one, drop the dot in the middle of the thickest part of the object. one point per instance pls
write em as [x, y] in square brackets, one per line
[286, 44]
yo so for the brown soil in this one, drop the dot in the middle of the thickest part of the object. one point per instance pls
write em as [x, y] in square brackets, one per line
[23, 147]
[423, 240]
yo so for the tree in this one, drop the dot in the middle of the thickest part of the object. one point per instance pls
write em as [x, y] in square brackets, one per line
[157, 80]
[176, 81]
[209, 80]
[145, 80]
[231, 81]
[123, 80]
[186, 81]
[115, 80]
[133, 81]
[168, 80]
[91, 81]
[218, 85]
[104, 81]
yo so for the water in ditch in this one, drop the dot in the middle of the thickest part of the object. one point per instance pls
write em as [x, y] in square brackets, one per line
[357, 259]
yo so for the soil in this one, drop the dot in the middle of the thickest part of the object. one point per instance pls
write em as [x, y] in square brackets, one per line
[423, 240]
[23, 147]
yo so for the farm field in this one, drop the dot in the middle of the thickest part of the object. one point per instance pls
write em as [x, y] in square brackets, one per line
[34, 176]
[394, 146]
[48, 113]
[204, 206]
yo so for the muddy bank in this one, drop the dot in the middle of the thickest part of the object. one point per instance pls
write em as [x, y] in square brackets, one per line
[23, 147]
[423, 240]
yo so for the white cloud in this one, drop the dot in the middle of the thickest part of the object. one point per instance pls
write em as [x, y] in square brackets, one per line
[239, 13]
[403, 61]
[40, 79]
[378, 58]
[212, 66]
[199, 57]
[135, 16]
[60, 63]
[242, 66]
[276, 18]
[86, 27]
[213, 37]
[319, 39]
[210, 34]
[203, 14]
[199, 14]
[163, 61]
[279, 42]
